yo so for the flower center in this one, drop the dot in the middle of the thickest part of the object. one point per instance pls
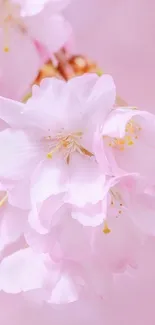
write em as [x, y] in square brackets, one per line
[66, 144]
[131, 135]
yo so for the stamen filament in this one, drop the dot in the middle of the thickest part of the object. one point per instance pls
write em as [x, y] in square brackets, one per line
[106, 229]
[6, 36]
[3, 200]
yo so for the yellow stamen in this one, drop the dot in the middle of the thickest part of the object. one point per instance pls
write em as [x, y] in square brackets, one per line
[6, 49]
[120, 142]
[26, 97]
[106, 229]
[120, 101]
[85, 151]
[6, 30]
[129, 140]
[68, 159]
[99, 73]
[130, 143]
[3, 200]
[49, 155]
[78, 134]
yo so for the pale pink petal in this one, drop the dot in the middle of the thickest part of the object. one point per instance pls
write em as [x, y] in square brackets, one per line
[90, 215]
[101, 154]
[19, 154]
[39, 26]
[46, 214]
[19, 195]
[12, 225]
[68, 236]
[48, 179]
[10, 111]
[41, 243]
[86, 183]
[17, 72]
[38, 112]
[94, 95]
[33, 7]
[25, 270]
[30, 7]
[66, 290]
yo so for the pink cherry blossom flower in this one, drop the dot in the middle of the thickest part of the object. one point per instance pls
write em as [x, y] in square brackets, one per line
[23, 24]
[51, 138]
[125, 143]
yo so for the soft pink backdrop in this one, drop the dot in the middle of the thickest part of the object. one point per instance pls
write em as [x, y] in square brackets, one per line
[120, 35]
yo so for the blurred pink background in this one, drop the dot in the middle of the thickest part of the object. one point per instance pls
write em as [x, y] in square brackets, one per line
[120, 35]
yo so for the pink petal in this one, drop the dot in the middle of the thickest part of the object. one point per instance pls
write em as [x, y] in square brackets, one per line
[65, 291]
[48, 179]
[86, 183]
[90, 215]
[30, 7]
[94, 95]
[12, 225]
[38, 112]
[116, 122]
[40, 25]
[24, 271]
[10, 111]
[17, 72]
[18, 154]
[19, 195]
[47, 214]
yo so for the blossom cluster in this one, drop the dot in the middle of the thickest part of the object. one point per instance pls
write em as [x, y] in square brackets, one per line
[77, 183]
[77, 179]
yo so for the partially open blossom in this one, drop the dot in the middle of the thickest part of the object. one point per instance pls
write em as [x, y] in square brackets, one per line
[125, 143]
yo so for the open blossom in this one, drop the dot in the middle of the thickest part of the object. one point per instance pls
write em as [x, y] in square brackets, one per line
[52, 135]
[124, 144]
[24, 27]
